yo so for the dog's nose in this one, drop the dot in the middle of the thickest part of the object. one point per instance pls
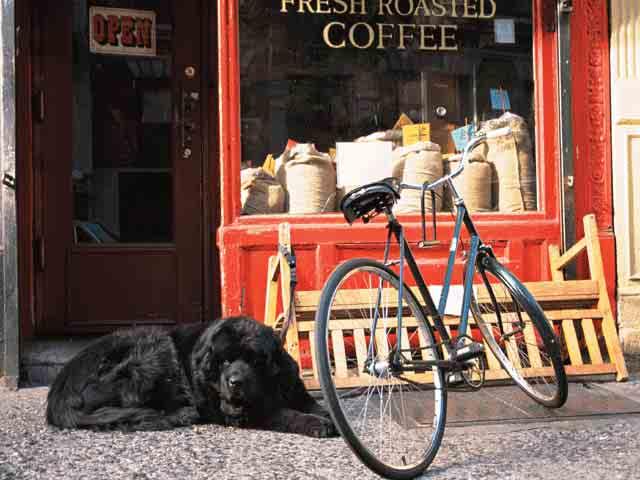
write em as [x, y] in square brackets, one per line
[234, 381]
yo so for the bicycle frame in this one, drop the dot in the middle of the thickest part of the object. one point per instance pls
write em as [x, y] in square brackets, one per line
[428, 305]
[429, 308]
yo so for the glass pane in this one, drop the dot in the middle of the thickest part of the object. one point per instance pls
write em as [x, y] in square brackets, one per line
[321, 79]
[122, 114]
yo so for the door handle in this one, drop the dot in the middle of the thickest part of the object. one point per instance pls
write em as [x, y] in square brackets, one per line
[190, 100]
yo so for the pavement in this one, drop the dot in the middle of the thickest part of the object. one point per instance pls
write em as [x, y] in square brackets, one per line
[496, 433]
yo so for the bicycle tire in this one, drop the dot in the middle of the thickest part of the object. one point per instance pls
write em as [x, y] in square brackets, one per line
[525, 346]
[391, 460]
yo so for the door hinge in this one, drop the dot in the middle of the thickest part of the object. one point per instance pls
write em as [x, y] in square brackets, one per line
[565, 6]
[38, 254]
[38, 106]
[9, 180]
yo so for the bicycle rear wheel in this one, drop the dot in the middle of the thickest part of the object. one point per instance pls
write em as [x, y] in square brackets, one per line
[394, 423]
[519, 335]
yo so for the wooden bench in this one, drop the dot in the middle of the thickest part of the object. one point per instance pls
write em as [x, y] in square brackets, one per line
[579, 310]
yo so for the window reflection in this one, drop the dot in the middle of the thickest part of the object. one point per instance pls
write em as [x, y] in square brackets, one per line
[319, 77]
[122, 122]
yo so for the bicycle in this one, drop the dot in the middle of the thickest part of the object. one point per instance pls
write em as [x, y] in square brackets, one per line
[411, 357]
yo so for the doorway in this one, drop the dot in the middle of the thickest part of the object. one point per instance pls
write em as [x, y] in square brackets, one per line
[122, 220]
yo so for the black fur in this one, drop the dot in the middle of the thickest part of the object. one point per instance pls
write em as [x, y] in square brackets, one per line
[233, 371]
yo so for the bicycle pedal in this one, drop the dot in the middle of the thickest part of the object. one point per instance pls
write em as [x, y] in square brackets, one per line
[470, 351]
[455, 378]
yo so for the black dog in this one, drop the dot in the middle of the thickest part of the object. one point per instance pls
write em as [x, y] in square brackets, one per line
[233, 371]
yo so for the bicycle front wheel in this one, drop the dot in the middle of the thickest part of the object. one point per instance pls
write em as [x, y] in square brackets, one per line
[393, 421]
[519, 335]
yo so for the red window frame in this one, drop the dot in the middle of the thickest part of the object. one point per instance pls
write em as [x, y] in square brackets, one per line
[239, 236]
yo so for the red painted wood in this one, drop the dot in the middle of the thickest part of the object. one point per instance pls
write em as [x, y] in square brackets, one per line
[323, 240]
[229, 71]
[592, 128]
[592, 112]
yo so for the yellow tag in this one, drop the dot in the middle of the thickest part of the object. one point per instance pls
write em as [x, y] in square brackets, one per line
[420, 132]
[332, 153]
[269, 165]
[403, 120]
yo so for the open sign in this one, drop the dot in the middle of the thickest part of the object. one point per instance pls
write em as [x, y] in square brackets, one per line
[119, 31]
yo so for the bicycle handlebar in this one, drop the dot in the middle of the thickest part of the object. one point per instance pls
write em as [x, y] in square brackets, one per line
[473, 143]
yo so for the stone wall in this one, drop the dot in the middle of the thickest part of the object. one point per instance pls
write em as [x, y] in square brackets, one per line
[8, 225]
[625, 103]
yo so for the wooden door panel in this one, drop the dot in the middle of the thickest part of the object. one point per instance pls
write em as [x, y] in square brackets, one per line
[52, 126]
[107, 157]
[188, 186]
[101, 283]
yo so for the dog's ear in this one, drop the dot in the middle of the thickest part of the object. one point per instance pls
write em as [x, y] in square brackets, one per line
[275, 354]
[203, 356]
[289, 385]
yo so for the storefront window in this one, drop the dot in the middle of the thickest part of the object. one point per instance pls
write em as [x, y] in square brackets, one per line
[122, 166]
[337, 93]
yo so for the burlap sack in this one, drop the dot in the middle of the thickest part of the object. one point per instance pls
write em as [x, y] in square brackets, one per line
[309, 177]
[515, 164]
[420, 162]
[260, 193]
[475, 184]
[397, 163]
[393, 135]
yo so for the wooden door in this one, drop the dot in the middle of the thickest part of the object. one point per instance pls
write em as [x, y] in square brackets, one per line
[118, 164]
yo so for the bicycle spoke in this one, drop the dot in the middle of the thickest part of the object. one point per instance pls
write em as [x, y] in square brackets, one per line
[519, 336]
[386, 418]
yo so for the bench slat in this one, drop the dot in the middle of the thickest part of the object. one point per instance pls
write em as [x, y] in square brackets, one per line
[571, 340]
[575, 290]
[339, 355]
[593, 346]
[532, 345]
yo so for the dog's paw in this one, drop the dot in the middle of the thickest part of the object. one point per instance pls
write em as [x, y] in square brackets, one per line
[320, 427]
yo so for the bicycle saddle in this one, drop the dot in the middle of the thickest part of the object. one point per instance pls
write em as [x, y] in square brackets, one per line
[370, 200]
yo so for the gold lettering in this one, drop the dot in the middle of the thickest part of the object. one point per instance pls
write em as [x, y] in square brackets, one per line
[382, 35]
[283, 8]
[409, 10]
[441, 11]
[483, 14]
[403, 36]
[444, 37]
[384, 4]
[427, 33]
[454, 14]
[344, 7]
[470, 9]
[323, 6]
[422, 5]
[363, 7]
[326, 32]
[304, 3]
[352, 35]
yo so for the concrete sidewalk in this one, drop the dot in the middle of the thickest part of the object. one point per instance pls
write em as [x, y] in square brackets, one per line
[491, 434]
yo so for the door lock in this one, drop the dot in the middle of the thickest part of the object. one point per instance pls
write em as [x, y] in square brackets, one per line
[189, 121]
